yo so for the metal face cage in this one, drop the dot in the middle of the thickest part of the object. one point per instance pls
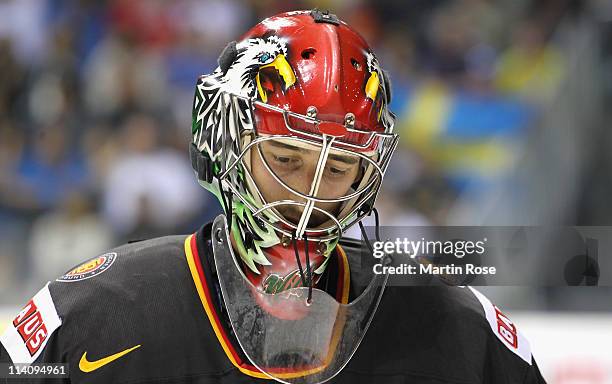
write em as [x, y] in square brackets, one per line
[251, 124]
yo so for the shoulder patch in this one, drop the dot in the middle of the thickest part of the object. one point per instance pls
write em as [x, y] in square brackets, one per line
[89, 268]
[25, 338]
[504, 328]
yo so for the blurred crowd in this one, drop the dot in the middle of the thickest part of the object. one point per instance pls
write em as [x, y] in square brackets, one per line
[96, 96]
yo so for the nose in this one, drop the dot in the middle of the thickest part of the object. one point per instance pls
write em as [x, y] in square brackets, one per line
[302, 181]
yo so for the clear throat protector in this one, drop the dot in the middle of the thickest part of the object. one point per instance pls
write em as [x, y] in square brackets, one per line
[313, 344]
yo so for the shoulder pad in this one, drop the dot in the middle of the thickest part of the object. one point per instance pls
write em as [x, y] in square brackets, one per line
[504, 328]
[26, 337]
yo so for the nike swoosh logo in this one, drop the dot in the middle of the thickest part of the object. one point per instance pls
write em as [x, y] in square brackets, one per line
[90, 366]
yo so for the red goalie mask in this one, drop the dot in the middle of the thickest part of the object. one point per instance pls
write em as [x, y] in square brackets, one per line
[293, 133]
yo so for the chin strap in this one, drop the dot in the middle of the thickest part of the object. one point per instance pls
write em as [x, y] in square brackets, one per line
[306, 279]
[376, 232]
[308, 270]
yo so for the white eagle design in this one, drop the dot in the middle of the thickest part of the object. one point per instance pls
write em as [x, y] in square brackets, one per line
[213, 95]
[216, 113]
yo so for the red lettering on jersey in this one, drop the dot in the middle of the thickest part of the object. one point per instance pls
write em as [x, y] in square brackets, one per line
[27, 328]
[506, 328]
[37, 340]
[26, 312]
[34, 324]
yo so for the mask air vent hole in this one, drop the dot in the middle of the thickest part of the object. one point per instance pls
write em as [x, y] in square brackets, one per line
[308, 53]
[356, 64]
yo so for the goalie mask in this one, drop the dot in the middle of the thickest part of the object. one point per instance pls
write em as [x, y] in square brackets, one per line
[293, 134]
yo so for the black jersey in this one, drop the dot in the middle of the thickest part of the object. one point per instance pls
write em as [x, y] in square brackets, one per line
[150, 312]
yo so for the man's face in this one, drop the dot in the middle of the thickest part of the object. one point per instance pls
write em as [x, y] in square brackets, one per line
[296, 166]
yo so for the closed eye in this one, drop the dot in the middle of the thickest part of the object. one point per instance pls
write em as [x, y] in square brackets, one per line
[282, 159]
[285, 163]
[336, 172]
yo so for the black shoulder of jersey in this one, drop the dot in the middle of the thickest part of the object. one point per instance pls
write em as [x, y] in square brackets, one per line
[444, 334]
[127, 275]
[138, 304]
[447, 333]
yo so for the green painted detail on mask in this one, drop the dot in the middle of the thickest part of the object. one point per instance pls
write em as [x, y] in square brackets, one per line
[331, 245]
[274, 283]
[212, 188]
[322, 267]
[258, 256]
[195, 124]
[268, 236]
[267, 212]
[242, 251]
[239, 210]
[240, 172]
